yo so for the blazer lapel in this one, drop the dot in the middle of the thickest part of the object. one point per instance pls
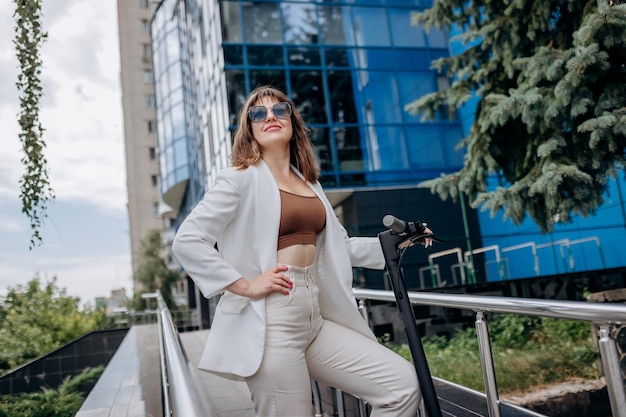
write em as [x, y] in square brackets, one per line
[267, 216]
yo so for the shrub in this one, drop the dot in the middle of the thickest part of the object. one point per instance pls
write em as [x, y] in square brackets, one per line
[62, 402]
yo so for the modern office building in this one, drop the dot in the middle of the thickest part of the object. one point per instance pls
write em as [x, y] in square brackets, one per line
[351, 67]
[140, 139]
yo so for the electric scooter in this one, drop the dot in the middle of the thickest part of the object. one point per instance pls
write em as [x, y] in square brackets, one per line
[395, 241]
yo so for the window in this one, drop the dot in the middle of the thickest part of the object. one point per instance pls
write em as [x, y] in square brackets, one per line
[147, 76]
[152, 152]
[150, 126]
[155, 209]
[154, 181]
[145, 25]
[149, 101]
[147, 51]
[143, 4]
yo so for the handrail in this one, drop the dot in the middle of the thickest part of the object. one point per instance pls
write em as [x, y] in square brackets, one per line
[182, 397]
[572, 310]
[601, 314]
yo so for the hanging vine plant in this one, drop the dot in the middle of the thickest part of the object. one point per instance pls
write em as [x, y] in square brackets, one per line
[35, 190]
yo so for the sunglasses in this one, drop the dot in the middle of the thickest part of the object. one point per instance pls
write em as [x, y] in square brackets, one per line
[280, 110]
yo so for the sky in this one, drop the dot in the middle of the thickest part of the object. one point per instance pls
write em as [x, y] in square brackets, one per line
[86, 243]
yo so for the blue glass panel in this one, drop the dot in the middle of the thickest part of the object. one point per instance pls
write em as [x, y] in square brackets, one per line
[413, 59]
[176, 97]
[364, 21]
[405, 3]
[412, 86]
[377, 59]
[175, 76]
[377, 97]
[172, 47]
[178, 122]
[452, 136]
[425, 147]
[167, 128]
[180, 153]
[169, 160]
[403, 33]
[391, 147]
[437, 38]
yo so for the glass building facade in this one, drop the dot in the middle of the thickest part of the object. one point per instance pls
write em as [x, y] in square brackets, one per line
[351, 67]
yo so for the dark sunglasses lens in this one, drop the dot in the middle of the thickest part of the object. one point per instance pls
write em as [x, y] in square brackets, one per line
[281, 110]
[257, 113]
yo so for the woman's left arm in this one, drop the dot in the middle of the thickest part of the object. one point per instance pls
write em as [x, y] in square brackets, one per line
[365, 252]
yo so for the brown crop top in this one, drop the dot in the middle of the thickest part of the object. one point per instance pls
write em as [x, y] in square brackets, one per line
[301, 219]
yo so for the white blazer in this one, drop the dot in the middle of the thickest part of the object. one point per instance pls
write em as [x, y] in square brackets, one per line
[241, 214]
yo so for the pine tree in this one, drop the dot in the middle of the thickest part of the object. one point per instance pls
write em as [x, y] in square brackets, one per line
[550, 122]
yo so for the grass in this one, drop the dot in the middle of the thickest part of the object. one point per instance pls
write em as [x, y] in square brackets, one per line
[527, 353]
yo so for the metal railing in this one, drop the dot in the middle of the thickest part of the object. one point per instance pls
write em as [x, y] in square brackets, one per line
[603, 315]
[181, 391]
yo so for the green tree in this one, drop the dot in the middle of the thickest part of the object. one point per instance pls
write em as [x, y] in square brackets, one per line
[152, 272]
[550, 123]
[35, 190]
[39, 317]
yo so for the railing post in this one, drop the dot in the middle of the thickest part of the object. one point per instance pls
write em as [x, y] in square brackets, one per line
[612, 372]
[341, 407]
[317, 398]
[363, 310]
[486, 360]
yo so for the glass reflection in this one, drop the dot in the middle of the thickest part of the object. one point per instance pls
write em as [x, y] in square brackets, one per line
[349, 151]
[300, 23]
[332, 25]
[337, 58]
[302, 56]
[233, 55]
[341, 97]
[262, 23]
[231, 22]
[321, 142]
[236, 87]
[265, 55]
[273, 78]
[308, 94]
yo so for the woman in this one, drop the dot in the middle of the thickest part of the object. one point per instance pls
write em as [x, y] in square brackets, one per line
[266, 236]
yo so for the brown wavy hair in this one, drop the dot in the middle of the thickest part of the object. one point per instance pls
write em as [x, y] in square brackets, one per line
[247, 151]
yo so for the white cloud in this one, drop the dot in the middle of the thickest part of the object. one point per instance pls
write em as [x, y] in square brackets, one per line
[86, 243]
[81, 107]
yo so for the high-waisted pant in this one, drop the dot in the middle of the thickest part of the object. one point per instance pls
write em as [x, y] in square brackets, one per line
[300, 345]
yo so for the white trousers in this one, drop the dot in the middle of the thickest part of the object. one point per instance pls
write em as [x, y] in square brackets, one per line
[300, 345]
